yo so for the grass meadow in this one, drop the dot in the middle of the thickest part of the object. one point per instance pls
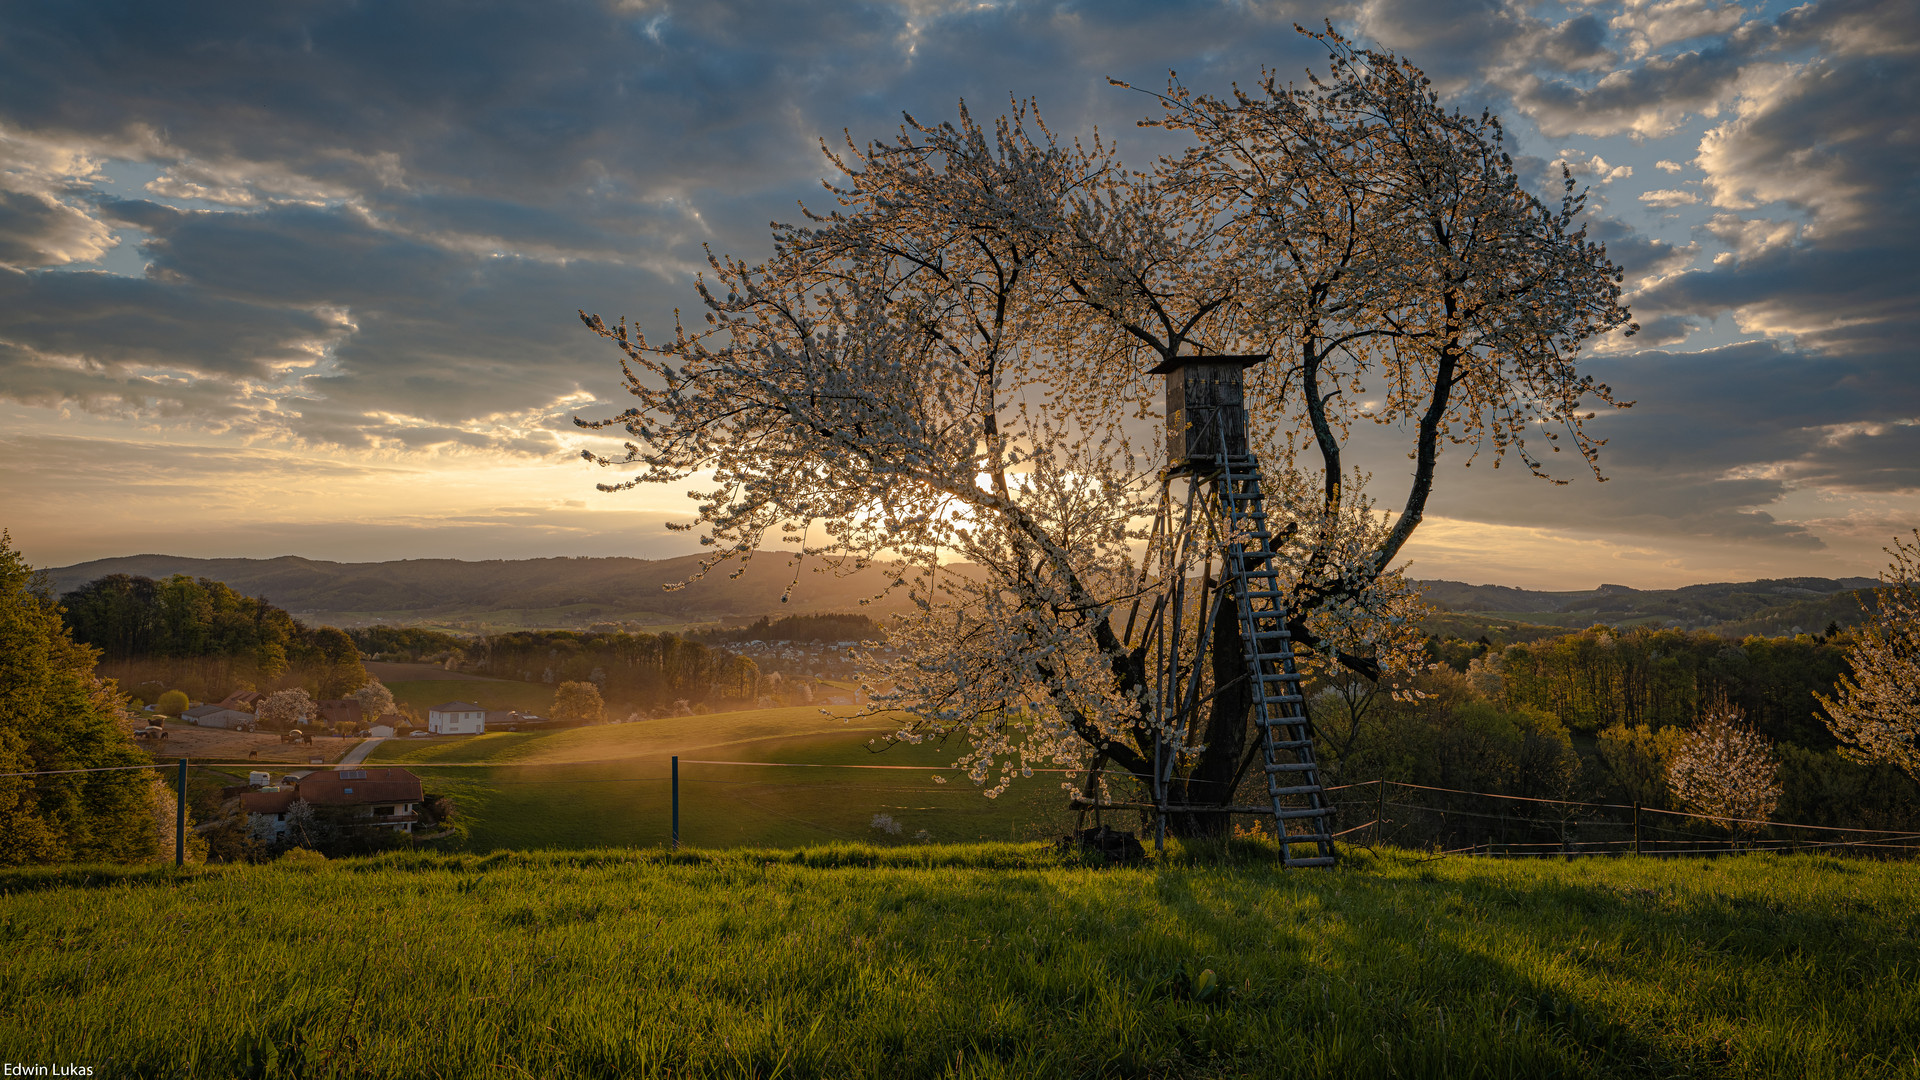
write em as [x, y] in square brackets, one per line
[608, 786]
[965, 961]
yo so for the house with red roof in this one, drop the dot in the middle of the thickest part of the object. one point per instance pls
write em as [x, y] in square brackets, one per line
[382, 798]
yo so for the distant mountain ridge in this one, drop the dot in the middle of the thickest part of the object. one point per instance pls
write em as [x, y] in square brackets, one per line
[576, 592]
[1770, 606]
[557, 592]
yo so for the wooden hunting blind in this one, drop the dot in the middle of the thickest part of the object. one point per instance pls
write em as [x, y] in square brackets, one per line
[1206, 407]
[1223, 522]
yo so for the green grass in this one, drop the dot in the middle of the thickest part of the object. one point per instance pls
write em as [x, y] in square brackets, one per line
[985, 961]
[608, 786]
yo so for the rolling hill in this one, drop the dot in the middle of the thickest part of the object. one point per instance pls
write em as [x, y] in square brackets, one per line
[1768, 607]
[574, 593]
[557, 593]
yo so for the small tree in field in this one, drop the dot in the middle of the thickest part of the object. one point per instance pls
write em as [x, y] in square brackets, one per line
[1725, 769]
[172, 703]
[950, 367]
[374, 699]
[1876, 712]
[285, 709]
[578, 701]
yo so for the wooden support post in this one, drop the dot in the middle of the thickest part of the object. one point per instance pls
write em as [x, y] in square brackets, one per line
[676, 802]
[180, 818]
[1379, 811]
[1636, 827]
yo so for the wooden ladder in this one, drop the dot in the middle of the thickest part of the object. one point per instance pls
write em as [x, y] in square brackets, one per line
[1301, 815]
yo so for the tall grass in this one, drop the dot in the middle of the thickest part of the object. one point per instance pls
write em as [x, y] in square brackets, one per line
[981, 961]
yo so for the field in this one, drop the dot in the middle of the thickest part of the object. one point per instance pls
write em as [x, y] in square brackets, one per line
[982, 961]
[219, 744]
[608, 786]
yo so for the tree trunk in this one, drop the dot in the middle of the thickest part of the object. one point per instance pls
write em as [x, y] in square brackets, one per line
[1210, 782]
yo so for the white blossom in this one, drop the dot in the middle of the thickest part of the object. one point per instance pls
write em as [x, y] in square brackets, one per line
[944, 375]
[1876, 712]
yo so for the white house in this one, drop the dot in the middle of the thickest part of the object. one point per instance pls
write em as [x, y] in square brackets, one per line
[457, 718]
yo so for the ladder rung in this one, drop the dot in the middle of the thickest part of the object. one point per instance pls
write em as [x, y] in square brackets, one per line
[1290, 815]
[1291, 766]
[1290, 744]
[1304, 789]
[1282, 699]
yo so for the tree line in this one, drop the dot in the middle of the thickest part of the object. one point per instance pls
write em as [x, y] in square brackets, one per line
[630, 670]
[638, 670]
[1600, 714]
[796, 628]
[207, 639]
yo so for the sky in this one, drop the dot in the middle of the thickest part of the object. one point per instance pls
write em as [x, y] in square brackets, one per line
[302, 278]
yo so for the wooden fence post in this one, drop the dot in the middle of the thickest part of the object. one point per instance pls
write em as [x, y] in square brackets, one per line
[180, 818]
[1379, 811]
[676, 802]
[1636, 826]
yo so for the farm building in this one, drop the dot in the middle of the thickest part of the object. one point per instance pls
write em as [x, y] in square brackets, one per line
[370, 798]
[457, 718]
[219, 716]
[512, 720]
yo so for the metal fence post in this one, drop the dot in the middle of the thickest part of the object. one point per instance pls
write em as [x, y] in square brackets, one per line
[676, 802]
[180, 818]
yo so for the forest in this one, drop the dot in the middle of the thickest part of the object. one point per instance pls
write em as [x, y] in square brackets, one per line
[796, 628]
[206, 639]
[645, 671]
[1598, 714]
[634, 671]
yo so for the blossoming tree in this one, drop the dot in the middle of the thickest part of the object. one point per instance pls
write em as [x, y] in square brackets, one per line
[946, 372]
[1876, 712]
[1724, 771]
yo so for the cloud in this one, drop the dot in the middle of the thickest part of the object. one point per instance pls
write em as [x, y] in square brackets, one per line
[1593, 166]
[1668, 198]
[1873, 457]
[1643, 258]
[1580, 43]
[1652, 24]
[1825, 154]
[362, 231]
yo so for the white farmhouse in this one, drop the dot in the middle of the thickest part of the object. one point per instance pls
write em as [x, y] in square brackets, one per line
[457, 718]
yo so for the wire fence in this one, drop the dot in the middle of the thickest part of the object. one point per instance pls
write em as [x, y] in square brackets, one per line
[1449, 821]
[719, 802]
